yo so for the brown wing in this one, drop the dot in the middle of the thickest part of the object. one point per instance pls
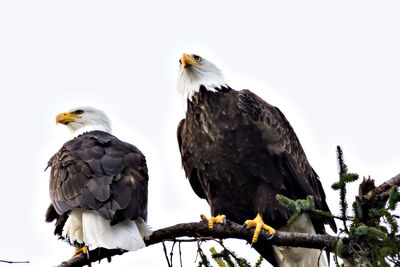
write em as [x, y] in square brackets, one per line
[282, 143]
[51, 215]
[193, 177]
[96, 171]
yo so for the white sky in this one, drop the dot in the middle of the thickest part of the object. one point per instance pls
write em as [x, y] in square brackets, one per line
[331, 67]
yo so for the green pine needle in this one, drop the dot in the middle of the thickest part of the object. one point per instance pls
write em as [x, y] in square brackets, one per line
[394, 198]
[259, 261]
[299, 206]
[349, 177]
[217, 257]
[369, 232]
[336, 186]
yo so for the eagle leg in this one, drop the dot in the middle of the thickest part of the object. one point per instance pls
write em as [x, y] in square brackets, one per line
[218, 219]
[259, 224]
[78, 250]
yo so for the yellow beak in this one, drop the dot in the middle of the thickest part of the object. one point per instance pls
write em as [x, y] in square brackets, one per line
[66, 118]
[188, 60]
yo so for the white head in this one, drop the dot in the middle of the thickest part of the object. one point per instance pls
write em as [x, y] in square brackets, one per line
[84, 119]
[195, 71]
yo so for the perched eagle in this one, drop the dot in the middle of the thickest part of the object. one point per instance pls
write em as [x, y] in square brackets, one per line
[238, 153]
[98, 186]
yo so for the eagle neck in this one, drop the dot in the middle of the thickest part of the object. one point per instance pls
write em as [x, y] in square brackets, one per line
[89, 128]
[203, 91]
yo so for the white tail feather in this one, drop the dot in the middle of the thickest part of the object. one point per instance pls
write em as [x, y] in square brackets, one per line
[95, 231]
[144, 229]
[299, 257]
[73, 227]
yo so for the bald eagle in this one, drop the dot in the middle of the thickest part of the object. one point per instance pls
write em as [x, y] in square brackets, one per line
[238, 153]
[98, 186]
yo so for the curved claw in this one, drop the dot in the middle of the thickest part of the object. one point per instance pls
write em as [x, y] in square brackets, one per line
[271, 236]
[224, 220]
[258, 224]
[84, 250]
[218, 219]
[244, 226]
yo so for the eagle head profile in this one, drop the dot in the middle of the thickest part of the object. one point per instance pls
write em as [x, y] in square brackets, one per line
[194, 72]
[85, 119]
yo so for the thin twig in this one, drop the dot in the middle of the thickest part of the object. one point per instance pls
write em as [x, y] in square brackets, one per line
[180, 254]
[172, 251]
[198, 246]
[319, 257]
[11, 262]
[165, 253]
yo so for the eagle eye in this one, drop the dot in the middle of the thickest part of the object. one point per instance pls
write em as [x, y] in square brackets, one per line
[78, 112]
[197, 58]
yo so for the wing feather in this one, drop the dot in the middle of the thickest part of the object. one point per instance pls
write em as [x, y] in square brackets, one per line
[96, 171]
[284, 146]
[186, 153]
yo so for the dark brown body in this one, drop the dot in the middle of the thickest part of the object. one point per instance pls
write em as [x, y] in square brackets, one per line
[98, 172]
[238, 152]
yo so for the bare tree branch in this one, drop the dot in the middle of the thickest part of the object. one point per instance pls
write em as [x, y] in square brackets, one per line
[200, 229]
[233, 230]
[381, 193]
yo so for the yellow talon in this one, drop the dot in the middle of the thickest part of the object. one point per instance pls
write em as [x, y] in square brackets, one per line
[258, 223]
[218, 219]
[83, 250]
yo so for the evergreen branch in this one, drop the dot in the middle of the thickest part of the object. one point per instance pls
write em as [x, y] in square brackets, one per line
[217, 257]
[394, 197]
[370, 241]
[259, 261]
[228, 253]
[204, 261]
[300, 206]
[344, 178]
[364, 230]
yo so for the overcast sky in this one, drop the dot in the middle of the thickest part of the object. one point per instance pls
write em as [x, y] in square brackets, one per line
[331, 67]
